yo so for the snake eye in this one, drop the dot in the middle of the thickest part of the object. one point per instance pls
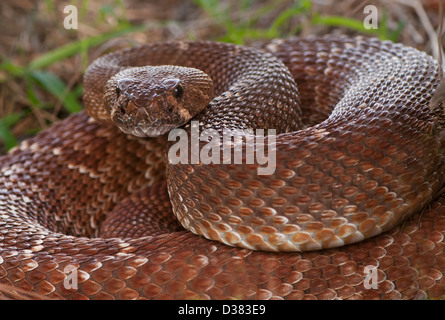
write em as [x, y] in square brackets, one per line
[118, 90]
[174, 87]
[178, 92]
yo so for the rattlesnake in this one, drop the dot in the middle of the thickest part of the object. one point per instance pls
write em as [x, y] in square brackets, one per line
[358, 151]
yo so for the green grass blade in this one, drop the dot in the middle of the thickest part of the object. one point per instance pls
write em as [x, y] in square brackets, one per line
[32, 97]
[5, 133]
[302, 7]
[12, 68]
[382, 31]
[338, 21]
[54, 85]
[78, 46]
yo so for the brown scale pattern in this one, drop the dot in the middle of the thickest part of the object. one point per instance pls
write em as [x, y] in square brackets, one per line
[369, 157]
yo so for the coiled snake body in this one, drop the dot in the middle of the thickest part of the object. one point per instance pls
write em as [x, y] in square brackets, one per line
[358, 151]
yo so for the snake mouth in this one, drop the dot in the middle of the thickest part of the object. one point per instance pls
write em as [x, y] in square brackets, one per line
[141, 129]
[135, 120]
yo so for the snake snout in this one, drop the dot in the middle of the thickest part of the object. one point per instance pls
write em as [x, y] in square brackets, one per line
[144, 121]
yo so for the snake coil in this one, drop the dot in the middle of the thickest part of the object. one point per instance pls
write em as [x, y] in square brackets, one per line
[358, 150]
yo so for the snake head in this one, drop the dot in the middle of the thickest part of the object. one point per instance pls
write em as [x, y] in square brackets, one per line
[150, 101]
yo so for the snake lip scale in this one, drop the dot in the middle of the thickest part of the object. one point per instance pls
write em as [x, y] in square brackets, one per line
[359, 150]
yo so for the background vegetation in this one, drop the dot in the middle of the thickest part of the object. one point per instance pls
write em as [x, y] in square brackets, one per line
[41, 63]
